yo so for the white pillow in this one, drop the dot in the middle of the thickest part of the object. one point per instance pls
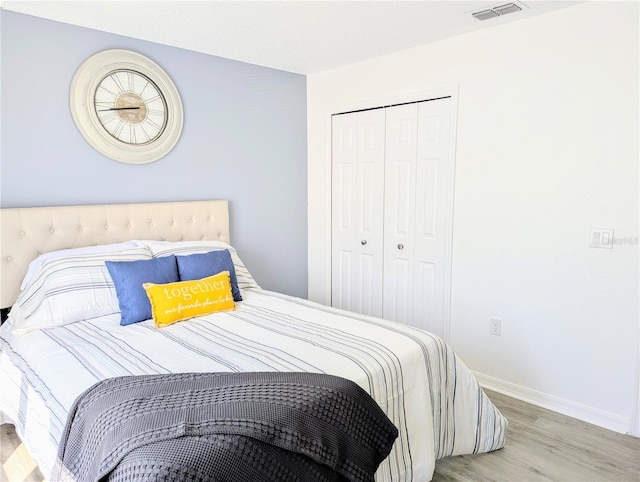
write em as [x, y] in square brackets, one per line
[70, 287]
[36, 264]
[183, 248]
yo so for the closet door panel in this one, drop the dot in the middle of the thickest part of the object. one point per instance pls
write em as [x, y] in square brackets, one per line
[400, 220]
[399, 209]
[344, 158]
[357, 207]
[433, 173]
[426, 197]
[368, 293]
[425, 300]
[341, 279]
[397, 290]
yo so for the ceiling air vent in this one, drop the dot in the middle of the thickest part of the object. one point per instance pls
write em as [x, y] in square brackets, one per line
[496, 11]
[484, 14]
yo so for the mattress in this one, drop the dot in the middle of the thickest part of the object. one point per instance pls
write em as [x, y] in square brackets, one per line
[424, 388]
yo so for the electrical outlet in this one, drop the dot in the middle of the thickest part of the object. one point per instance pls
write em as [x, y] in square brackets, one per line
[495, 326]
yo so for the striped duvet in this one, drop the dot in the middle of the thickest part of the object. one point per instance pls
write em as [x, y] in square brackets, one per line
[418, 381]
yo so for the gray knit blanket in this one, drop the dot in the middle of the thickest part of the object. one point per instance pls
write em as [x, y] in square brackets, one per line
[256, 426]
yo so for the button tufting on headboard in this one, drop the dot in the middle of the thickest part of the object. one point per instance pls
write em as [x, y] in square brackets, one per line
[28, 232]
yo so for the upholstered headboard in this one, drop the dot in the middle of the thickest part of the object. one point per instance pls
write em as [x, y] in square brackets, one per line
[26, 233]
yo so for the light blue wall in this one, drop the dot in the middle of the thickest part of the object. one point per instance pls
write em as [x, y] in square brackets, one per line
[244, 139]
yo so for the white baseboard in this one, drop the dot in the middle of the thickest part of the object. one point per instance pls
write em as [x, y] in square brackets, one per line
[571, 409]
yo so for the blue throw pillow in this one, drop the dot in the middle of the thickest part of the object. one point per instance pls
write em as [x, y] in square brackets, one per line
[128, 278]
[203, 265]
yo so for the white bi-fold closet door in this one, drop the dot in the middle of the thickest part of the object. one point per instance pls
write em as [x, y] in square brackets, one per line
[392, 174]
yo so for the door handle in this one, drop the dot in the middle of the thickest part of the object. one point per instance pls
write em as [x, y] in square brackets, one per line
[363, 242]
[400, 246]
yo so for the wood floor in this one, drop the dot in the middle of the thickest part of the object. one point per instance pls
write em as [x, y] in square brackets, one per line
[541, 446]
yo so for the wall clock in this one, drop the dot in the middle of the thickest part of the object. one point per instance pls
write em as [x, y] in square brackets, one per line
[126, 106]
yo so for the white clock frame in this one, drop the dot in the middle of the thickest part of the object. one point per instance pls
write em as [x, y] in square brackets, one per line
[82, 96]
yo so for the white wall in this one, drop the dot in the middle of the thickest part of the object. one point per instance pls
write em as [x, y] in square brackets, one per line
[547, 147]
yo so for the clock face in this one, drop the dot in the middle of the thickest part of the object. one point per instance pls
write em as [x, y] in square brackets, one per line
[126, 106]
[130, 107]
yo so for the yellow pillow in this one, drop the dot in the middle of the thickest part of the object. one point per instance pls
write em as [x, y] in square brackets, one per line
[173, 302]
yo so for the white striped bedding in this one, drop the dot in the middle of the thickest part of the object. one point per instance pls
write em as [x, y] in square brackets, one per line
[429, 394]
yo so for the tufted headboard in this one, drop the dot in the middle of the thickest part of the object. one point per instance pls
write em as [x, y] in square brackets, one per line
[26, 233]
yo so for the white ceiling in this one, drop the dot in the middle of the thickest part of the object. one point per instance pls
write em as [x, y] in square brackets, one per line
[299, 36]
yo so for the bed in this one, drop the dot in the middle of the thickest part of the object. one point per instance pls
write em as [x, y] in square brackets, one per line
[415, 378]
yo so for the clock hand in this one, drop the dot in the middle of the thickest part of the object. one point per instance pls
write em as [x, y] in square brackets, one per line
[119, 108]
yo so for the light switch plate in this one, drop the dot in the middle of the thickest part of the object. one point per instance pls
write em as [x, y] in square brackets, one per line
[601, 238]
